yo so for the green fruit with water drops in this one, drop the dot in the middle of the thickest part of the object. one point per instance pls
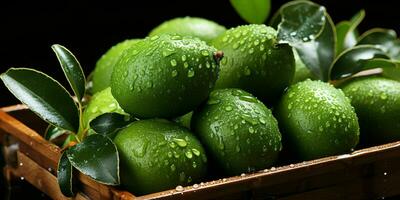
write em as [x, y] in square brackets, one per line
[317, 120]
[377, 103]
[105, 65]
[184, 120]
[302, 72]
[165, 76]
[100, 103]
[201, 28]
[255, 62]
[156, 155]
[238, 131]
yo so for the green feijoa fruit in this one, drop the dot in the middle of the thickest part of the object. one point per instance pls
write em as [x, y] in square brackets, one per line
[204, 29]
[105, 65]
[100, 103]
[157, 154]
[255, 62]
[165, 76]
[302, 72]
[377, 104]
[317, 120]
[238, 131]
[184, 120]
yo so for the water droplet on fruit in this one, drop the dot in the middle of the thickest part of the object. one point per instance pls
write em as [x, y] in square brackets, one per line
[383, 96]
[237, 148]
[205, 53]
[173, 62]
[189, 154]
[251, 51]
[172, 144]
[180, 142]
[228, 108]
[190, 73]
[196, 152]
[174, 73]
[251, 129]
[154, 37]
[185, 65]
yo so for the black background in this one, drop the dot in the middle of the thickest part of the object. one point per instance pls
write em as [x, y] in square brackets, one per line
[88, 29]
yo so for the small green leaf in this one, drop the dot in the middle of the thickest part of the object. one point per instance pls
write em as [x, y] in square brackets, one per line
[318, 54]
[346, 32]
[300, 21]
[64, 176]
[308, 28]
[97, 157]
[44, 96]
[109, 123]
[253, 11]
[385, 39]
[357, 59]
[53, 132]
[72, 70]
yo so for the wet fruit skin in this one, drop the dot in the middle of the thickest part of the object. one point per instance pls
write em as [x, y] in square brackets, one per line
[156, 155]
[255, 62]
[204, 29]
[238, 131]
[164, 76]
[317, 120]
[302, 72]
[105, 65]
[377, 103]
[101, 103]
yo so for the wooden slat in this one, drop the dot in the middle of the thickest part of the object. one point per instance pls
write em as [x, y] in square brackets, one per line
[361, 170]
[46, 155]
[27, 136]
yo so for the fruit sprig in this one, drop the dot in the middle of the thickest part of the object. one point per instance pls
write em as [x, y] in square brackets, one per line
[332, 52]
[94, 155]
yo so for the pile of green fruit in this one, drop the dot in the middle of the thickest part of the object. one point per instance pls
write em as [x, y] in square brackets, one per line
[193, 96]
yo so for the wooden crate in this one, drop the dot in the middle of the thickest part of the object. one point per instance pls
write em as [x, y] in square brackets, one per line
[368, 173]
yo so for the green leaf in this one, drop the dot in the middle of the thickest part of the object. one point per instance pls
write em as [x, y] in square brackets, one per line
[44, 96]
[72, 70]
[252, 11]
[97, 157]
[308, 28]
[318, 54]
[385, 39]
[346, 32]
[300, 21]
[357, 59]
[109, 123]
[64, 176]
[53, 132]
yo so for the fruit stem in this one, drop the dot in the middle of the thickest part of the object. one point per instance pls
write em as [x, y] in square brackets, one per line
[218, 55]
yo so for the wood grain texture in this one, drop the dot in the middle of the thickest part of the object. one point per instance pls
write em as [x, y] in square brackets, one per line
[366, 173]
